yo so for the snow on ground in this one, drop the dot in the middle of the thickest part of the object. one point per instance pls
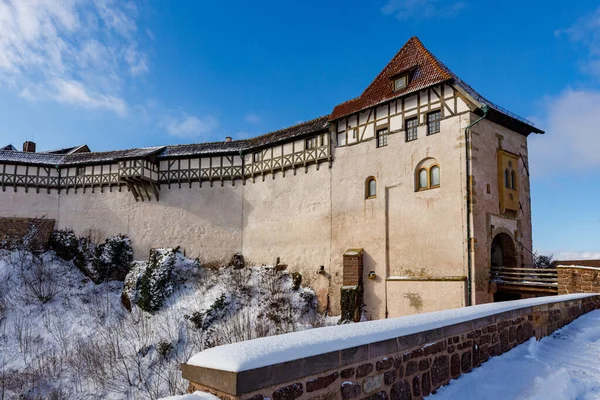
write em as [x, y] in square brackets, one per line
[193, 396]
[563, 366]
[81, 343]
[261, 352]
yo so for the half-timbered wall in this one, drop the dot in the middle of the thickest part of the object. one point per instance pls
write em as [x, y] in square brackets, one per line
[362, 126]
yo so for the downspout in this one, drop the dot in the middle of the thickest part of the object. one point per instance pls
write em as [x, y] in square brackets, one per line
[485, 110]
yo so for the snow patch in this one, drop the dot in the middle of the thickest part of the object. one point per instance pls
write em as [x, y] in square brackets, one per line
[262, 352]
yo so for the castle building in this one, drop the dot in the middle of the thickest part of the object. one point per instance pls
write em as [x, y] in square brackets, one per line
[411, 191]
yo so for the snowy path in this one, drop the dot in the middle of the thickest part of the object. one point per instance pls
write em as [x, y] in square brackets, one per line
[563, 366]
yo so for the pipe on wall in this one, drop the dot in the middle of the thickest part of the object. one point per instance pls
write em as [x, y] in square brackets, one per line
[469, 196]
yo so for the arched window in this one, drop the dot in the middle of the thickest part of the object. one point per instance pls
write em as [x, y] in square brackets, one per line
[506, 178]
[371, 188]
[427, 175]
[434, 176]
[513, 179]
[423, 179]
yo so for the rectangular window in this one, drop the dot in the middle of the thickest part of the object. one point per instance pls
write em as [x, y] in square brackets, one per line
[400, 83]
[256, 157]
[410, 127]
[433, 122]
[382, 137]
[311, 143]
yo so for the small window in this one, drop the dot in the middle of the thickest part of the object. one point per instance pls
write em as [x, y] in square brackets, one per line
[427, 175]
[256, 157]
[433, 122]
[382, 137]
[423, 182]
[371, 188]
[513, 179]
[506, 178]
[400, 83]
[353, 133]
[434, 176]
[411, 129]
[311, 143]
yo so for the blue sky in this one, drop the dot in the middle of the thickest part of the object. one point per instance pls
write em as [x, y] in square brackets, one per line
[117, 74]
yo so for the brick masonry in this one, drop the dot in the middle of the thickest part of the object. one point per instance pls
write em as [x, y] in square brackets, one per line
[576, 279]
[14, 229]
[408, 367]
[353, 267]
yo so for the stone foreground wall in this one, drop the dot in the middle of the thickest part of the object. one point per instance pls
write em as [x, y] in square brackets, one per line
[578, 279]
[408, 367]
[14, 229]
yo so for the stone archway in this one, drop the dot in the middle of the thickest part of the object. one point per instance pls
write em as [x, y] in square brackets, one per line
[503, 251]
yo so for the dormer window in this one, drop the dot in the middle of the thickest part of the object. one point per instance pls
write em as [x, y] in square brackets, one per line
[400, 83]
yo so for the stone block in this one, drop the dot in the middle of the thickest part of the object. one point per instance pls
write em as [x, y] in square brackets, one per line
[455, 365]
[372, 383]
[411, 368]
[389, 377]
[440, 370]
[364, 370]
[401, 391]
[416, 386]
[350, 390]
[425, 384]
[384, 364]
[321, 382]
[289, 392]
[466, 362]
[347, 373]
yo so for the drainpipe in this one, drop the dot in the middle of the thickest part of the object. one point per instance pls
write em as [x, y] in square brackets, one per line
[485, 110]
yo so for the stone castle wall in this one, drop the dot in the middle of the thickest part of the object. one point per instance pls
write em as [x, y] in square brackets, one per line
[578, 279]
[15, 229]
[402, 368]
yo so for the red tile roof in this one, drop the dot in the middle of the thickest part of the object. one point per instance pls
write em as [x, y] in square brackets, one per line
[413, 57]
[424, 70]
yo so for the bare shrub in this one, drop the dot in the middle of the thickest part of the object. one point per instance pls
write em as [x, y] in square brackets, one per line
[39, 281]
[22, 331]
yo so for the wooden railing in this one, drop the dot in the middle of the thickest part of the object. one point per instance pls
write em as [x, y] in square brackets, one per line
[525, 280]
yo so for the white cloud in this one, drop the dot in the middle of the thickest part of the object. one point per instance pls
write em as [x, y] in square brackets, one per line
[252, 118]
[189, 127]
[572, 139]
[575, 255]
[586, 31]
[422, 9]
[78, 52]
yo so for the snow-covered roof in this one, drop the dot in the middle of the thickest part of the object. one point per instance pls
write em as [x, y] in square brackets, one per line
[68, 156]
[257, 353]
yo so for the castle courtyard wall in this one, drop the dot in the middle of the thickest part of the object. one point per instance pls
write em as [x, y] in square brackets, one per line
[487, 138]
[403, 232]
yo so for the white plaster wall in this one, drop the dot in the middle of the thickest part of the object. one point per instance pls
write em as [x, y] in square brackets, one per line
[28, 205]
[289, 217]
[414, 297]
[206, 222]
[421, 233]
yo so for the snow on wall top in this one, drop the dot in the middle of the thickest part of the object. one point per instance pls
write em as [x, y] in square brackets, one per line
[578, 267]
[257, 353]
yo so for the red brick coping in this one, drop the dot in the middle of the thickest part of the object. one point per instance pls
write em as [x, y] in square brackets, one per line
[405, 367]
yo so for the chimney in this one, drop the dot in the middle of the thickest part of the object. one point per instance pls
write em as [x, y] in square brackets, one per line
[29, 147]
[228, 139]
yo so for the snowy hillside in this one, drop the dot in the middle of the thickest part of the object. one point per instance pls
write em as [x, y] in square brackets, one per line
[63, 336]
